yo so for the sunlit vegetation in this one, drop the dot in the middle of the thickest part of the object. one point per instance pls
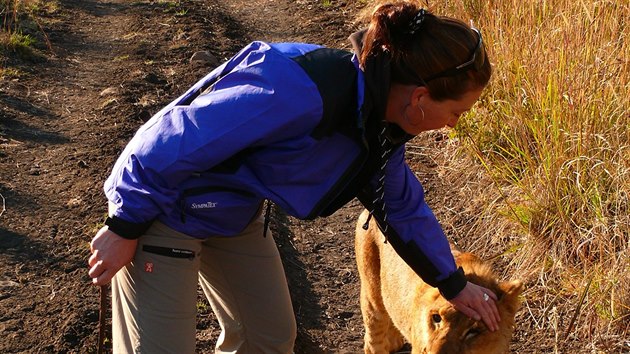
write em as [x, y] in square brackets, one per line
[553, 132]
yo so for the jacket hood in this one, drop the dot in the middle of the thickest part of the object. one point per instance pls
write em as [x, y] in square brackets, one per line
[376, 71]
[377, 74]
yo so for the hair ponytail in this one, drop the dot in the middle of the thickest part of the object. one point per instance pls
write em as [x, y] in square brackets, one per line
[422, 45]
[388, 30]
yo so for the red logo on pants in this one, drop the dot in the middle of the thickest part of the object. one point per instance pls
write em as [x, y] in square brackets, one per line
[148, 267]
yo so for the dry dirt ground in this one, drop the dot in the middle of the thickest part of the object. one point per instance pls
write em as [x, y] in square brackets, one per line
[110, 65]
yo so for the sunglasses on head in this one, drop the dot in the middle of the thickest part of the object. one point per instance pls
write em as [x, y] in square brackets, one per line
[476, 62]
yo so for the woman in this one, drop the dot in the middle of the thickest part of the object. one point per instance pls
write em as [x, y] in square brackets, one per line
[307, 128]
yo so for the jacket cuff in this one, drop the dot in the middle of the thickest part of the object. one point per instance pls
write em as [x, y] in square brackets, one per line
[126, 229]
[453, 285]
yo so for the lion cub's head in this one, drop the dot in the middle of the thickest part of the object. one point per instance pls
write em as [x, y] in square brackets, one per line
[443, 329]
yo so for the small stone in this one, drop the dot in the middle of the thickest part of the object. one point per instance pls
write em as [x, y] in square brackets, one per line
[74, 202]
[203, 56]
[109, 91]
[8, 284]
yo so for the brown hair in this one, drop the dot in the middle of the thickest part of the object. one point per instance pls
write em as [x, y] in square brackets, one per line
[438, 44]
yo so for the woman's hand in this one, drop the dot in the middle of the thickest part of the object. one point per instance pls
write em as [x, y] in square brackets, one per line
[478, 303]
[110, 252]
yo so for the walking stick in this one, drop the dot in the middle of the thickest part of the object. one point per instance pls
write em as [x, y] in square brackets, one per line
[102, 314]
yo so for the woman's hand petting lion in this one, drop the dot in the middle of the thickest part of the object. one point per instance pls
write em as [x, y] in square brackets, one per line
[478, 303]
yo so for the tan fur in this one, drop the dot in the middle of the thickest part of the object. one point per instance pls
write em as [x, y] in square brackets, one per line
[398, 307]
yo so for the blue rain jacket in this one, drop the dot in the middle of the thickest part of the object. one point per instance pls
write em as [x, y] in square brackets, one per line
[282, 122]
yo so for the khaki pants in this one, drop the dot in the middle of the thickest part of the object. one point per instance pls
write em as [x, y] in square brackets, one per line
[154, 297]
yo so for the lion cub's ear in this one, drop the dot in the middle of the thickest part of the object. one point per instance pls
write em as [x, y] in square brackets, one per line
[509, 294]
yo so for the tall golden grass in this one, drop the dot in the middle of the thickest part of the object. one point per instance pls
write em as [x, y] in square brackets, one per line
[553, 130]
[551, 134]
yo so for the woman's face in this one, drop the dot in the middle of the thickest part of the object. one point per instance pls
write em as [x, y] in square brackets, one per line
[415, 111]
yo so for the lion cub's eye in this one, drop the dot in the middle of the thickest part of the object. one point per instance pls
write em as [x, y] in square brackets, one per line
[472, 333]
[436, 318]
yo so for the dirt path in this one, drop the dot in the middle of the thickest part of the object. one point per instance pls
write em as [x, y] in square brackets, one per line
[62, 126]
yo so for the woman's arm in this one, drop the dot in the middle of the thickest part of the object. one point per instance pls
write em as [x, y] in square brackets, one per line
[413, 230]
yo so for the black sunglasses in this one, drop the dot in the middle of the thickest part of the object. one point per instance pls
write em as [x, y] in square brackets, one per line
[476, 61]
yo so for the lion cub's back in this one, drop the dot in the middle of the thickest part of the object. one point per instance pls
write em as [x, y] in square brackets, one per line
[391, 276]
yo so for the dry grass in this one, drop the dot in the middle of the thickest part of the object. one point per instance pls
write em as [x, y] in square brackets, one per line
[553, 131]
[551, 136]
[21, 31]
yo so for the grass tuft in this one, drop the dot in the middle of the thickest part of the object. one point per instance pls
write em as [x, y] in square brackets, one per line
[21, 32]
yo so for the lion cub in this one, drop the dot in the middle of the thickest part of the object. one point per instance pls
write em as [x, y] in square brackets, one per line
[398, 307]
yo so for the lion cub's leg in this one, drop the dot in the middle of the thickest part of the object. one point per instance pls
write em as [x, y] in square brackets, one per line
[381, 336]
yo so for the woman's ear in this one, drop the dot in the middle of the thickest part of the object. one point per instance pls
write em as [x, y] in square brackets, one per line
[419, 94]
